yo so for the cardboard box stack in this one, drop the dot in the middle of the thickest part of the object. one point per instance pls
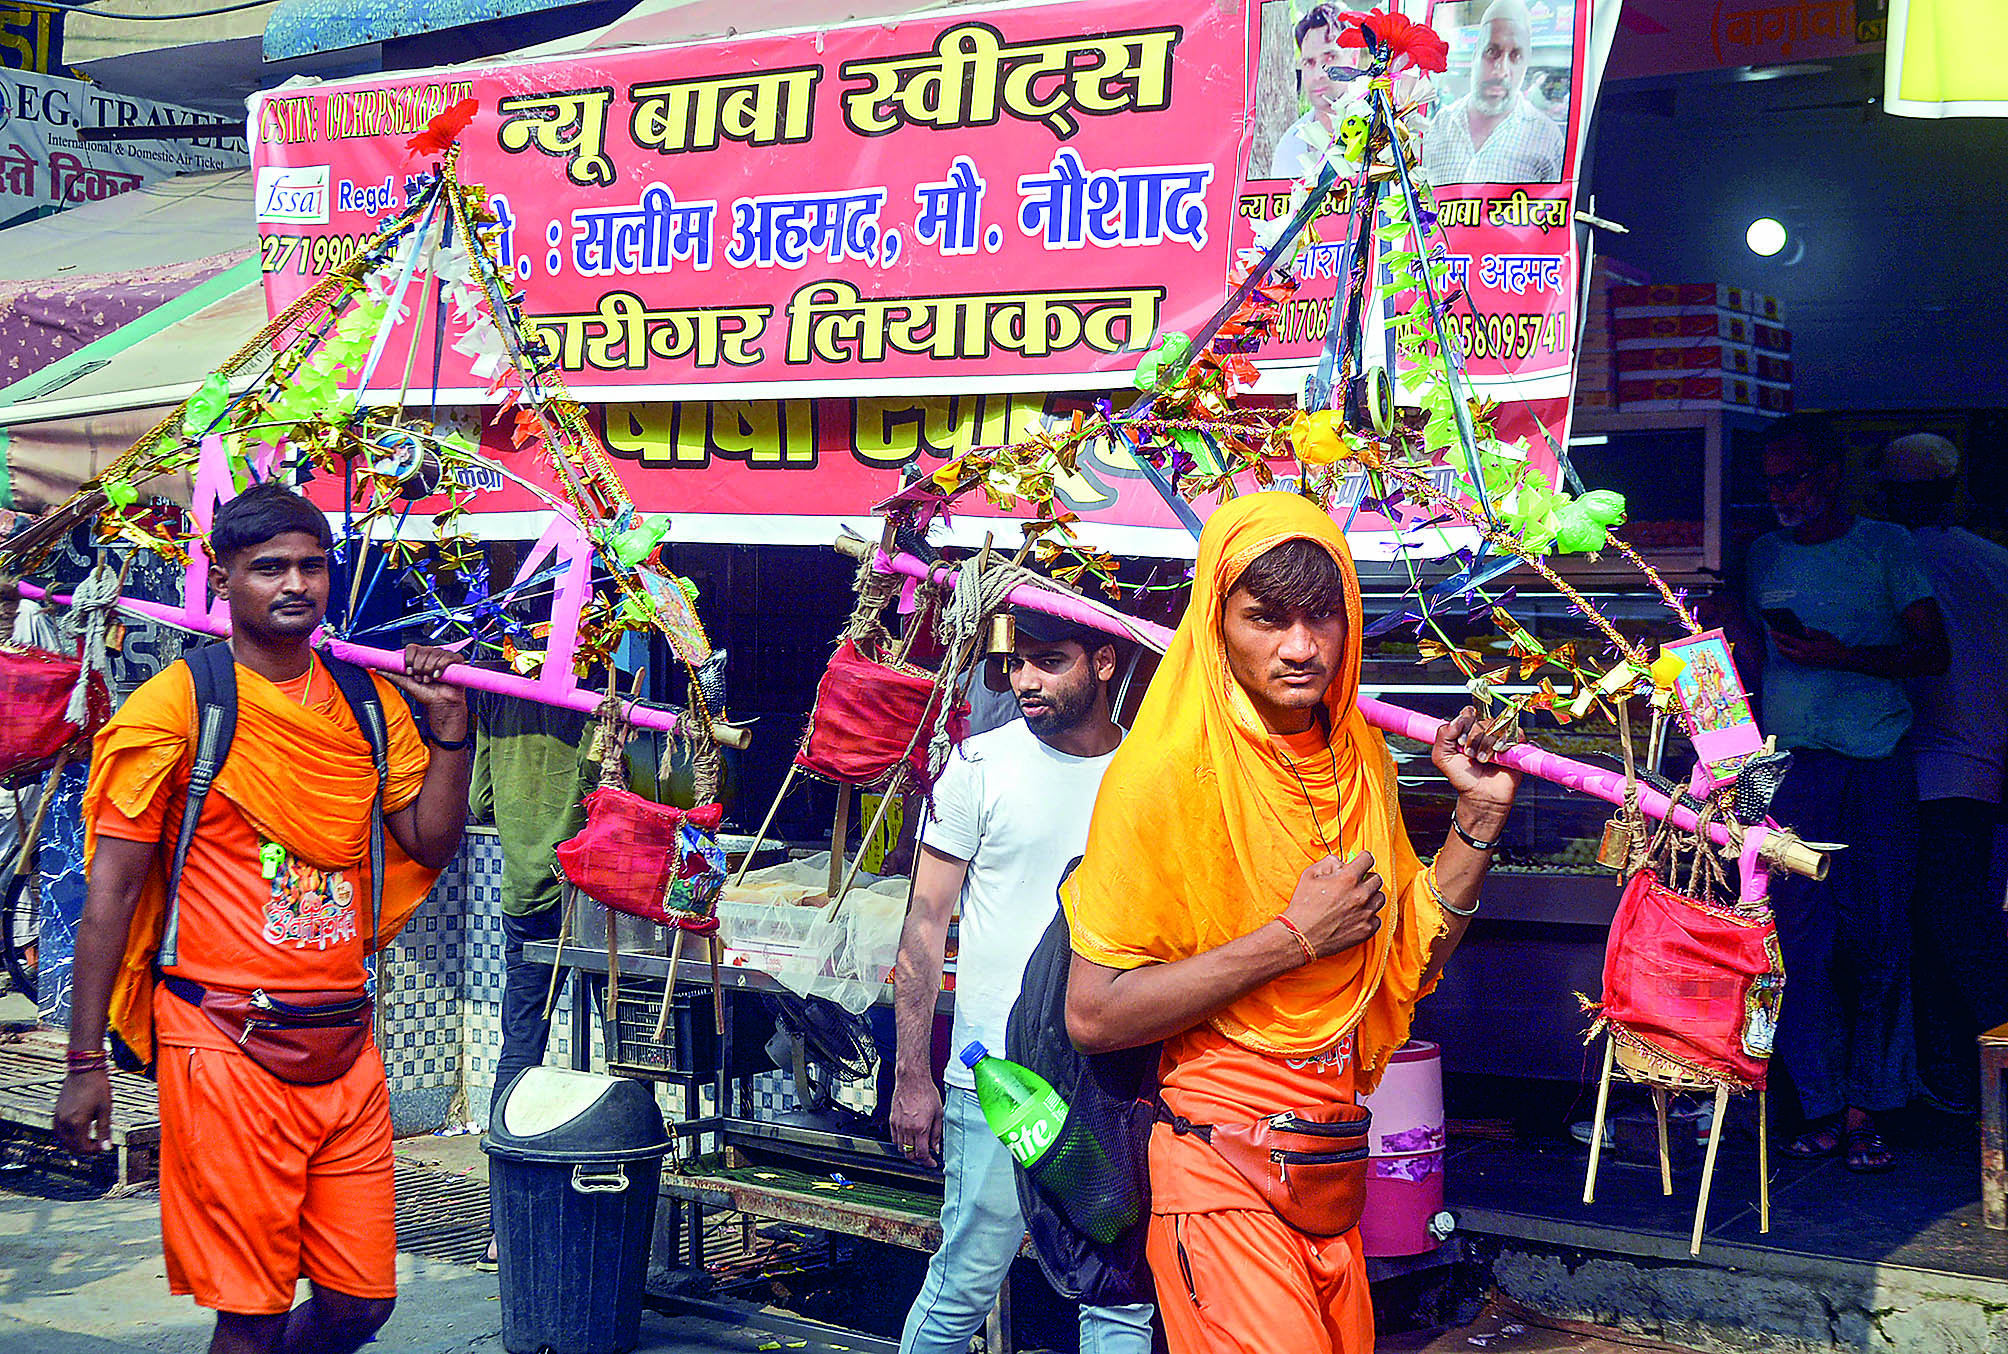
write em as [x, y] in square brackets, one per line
[1700, 345]
[1596, 359]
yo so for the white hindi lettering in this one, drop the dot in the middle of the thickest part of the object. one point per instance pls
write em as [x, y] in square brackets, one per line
[1327, 258]
[785, 228]
[1521, 273]
[1457, 267]
[1070, 206]
[645, 237]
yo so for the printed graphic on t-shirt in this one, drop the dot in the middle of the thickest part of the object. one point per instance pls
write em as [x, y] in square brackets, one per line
[1329, 1063]
[309, 908]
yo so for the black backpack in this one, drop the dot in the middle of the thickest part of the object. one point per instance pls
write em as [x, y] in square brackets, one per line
[214, 671]
[1087, 1200]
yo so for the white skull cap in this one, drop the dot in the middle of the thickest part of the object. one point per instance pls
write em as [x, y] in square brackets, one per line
[1919, 457]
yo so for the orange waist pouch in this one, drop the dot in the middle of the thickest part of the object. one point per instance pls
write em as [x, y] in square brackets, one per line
[306, 1038]
[1309, 1165]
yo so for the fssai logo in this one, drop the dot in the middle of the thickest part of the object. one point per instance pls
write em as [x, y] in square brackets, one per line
[297, 196]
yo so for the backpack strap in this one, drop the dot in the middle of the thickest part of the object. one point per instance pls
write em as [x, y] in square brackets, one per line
[359, 689]
[214, 670]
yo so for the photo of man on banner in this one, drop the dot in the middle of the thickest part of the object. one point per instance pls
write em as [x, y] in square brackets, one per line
[1296, 94]
[1504, 101]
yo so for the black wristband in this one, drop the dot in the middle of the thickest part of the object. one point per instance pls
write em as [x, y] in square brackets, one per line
[1474, 843]
[466, 741]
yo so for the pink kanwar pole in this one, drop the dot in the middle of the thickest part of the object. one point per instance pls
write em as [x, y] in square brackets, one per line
[387, 660]
[1525, 758]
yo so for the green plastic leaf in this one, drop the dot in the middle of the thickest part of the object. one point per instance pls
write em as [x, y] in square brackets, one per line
[1394, 233]
[1166, 360]
[206, 405]
[635, 544]
[1581, 525]
[1192, 444]
[121, 493]
[1604, 506]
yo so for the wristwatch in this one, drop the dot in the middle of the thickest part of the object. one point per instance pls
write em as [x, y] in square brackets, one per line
[461, 744]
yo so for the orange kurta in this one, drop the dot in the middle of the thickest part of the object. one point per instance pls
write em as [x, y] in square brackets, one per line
[1204, 823]
[262, 1182]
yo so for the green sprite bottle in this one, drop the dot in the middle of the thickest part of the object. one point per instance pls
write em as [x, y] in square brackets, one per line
[1019, 1105]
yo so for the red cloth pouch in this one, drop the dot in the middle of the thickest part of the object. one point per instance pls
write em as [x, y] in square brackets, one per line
[1699, 983]
[35, 688]
[647, 859]
[866, 716]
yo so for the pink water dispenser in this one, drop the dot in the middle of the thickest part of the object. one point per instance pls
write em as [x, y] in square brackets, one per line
[1405, 1155]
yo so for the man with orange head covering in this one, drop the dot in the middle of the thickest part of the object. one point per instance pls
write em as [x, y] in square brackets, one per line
[1249, 896]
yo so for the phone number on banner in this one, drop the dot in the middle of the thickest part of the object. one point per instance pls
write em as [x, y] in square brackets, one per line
[309, 254]
[1483, 335]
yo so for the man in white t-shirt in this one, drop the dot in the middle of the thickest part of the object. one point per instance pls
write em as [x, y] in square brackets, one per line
[1010, 811]
[1960, 738]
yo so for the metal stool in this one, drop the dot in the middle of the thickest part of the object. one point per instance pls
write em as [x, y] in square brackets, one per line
[1663, 1075]
[1993, 1134]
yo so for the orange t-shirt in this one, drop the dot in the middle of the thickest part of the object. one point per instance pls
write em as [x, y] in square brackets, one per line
[299, 928]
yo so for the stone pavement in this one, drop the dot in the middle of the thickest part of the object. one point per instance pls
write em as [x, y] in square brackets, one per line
[81, 1273]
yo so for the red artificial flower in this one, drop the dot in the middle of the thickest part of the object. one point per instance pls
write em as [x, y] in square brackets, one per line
[529, 429]
[1401, 35]
[444, 129]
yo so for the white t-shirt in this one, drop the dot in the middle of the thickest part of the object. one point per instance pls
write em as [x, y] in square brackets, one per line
[1961, 729]
[1018, 812]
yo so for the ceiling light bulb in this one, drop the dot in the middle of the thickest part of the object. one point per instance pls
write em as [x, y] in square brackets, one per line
[1766, 236]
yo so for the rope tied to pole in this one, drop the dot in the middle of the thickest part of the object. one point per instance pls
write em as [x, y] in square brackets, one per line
[980, 592]
[89, 621]
[875, 592]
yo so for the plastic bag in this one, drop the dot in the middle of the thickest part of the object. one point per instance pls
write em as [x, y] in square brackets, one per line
[779, 919]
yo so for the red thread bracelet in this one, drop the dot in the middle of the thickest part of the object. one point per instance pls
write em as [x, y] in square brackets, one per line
[1310, 953]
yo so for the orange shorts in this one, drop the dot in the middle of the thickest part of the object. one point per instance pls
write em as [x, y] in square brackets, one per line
[1242, 1281]
[263, 1183]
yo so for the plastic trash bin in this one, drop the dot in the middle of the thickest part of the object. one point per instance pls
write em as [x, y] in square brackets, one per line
[575, 1164]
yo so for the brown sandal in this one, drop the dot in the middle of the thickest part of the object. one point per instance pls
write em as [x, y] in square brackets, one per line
[1815, 1144]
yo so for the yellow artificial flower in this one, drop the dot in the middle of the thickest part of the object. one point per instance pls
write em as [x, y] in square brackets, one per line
[1315, 437]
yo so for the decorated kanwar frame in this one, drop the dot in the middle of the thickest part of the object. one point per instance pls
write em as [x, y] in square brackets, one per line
[783, 268]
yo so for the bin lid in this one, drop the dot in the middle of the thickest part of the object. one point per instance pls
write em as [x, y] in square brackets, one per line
[553, 1114]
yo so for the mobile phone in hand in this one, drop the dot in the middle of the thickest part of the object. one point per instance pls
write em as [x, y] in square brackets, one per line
[1784, 620]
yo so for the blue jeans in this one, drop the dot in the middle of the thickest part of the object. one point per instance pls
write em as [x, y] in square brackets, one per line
[981, 1230]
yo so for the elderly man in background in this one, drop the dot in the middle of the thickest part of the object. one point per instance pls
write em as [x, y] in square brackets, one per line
[1849, 617]
[1493, 134]
[1960, 739]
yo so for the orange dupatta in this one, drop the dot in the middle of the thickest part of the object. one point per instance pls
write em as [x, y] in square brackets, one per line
[1200, 831]
[301, 778]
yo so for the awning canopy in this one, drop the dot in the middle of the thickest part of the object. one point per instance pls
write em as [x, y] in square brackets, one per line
[169, 221]
[159, 358]
[300, 28]
[164, 239]
[60, 426]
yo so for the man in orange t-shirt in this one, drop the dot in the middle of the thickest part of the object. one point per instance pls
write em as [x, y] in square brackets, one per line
[262, 1181]
[1249, 896]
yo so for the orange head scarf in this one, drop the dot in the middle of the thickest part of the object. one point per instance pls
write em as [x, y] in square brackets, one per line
[1201, 831]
